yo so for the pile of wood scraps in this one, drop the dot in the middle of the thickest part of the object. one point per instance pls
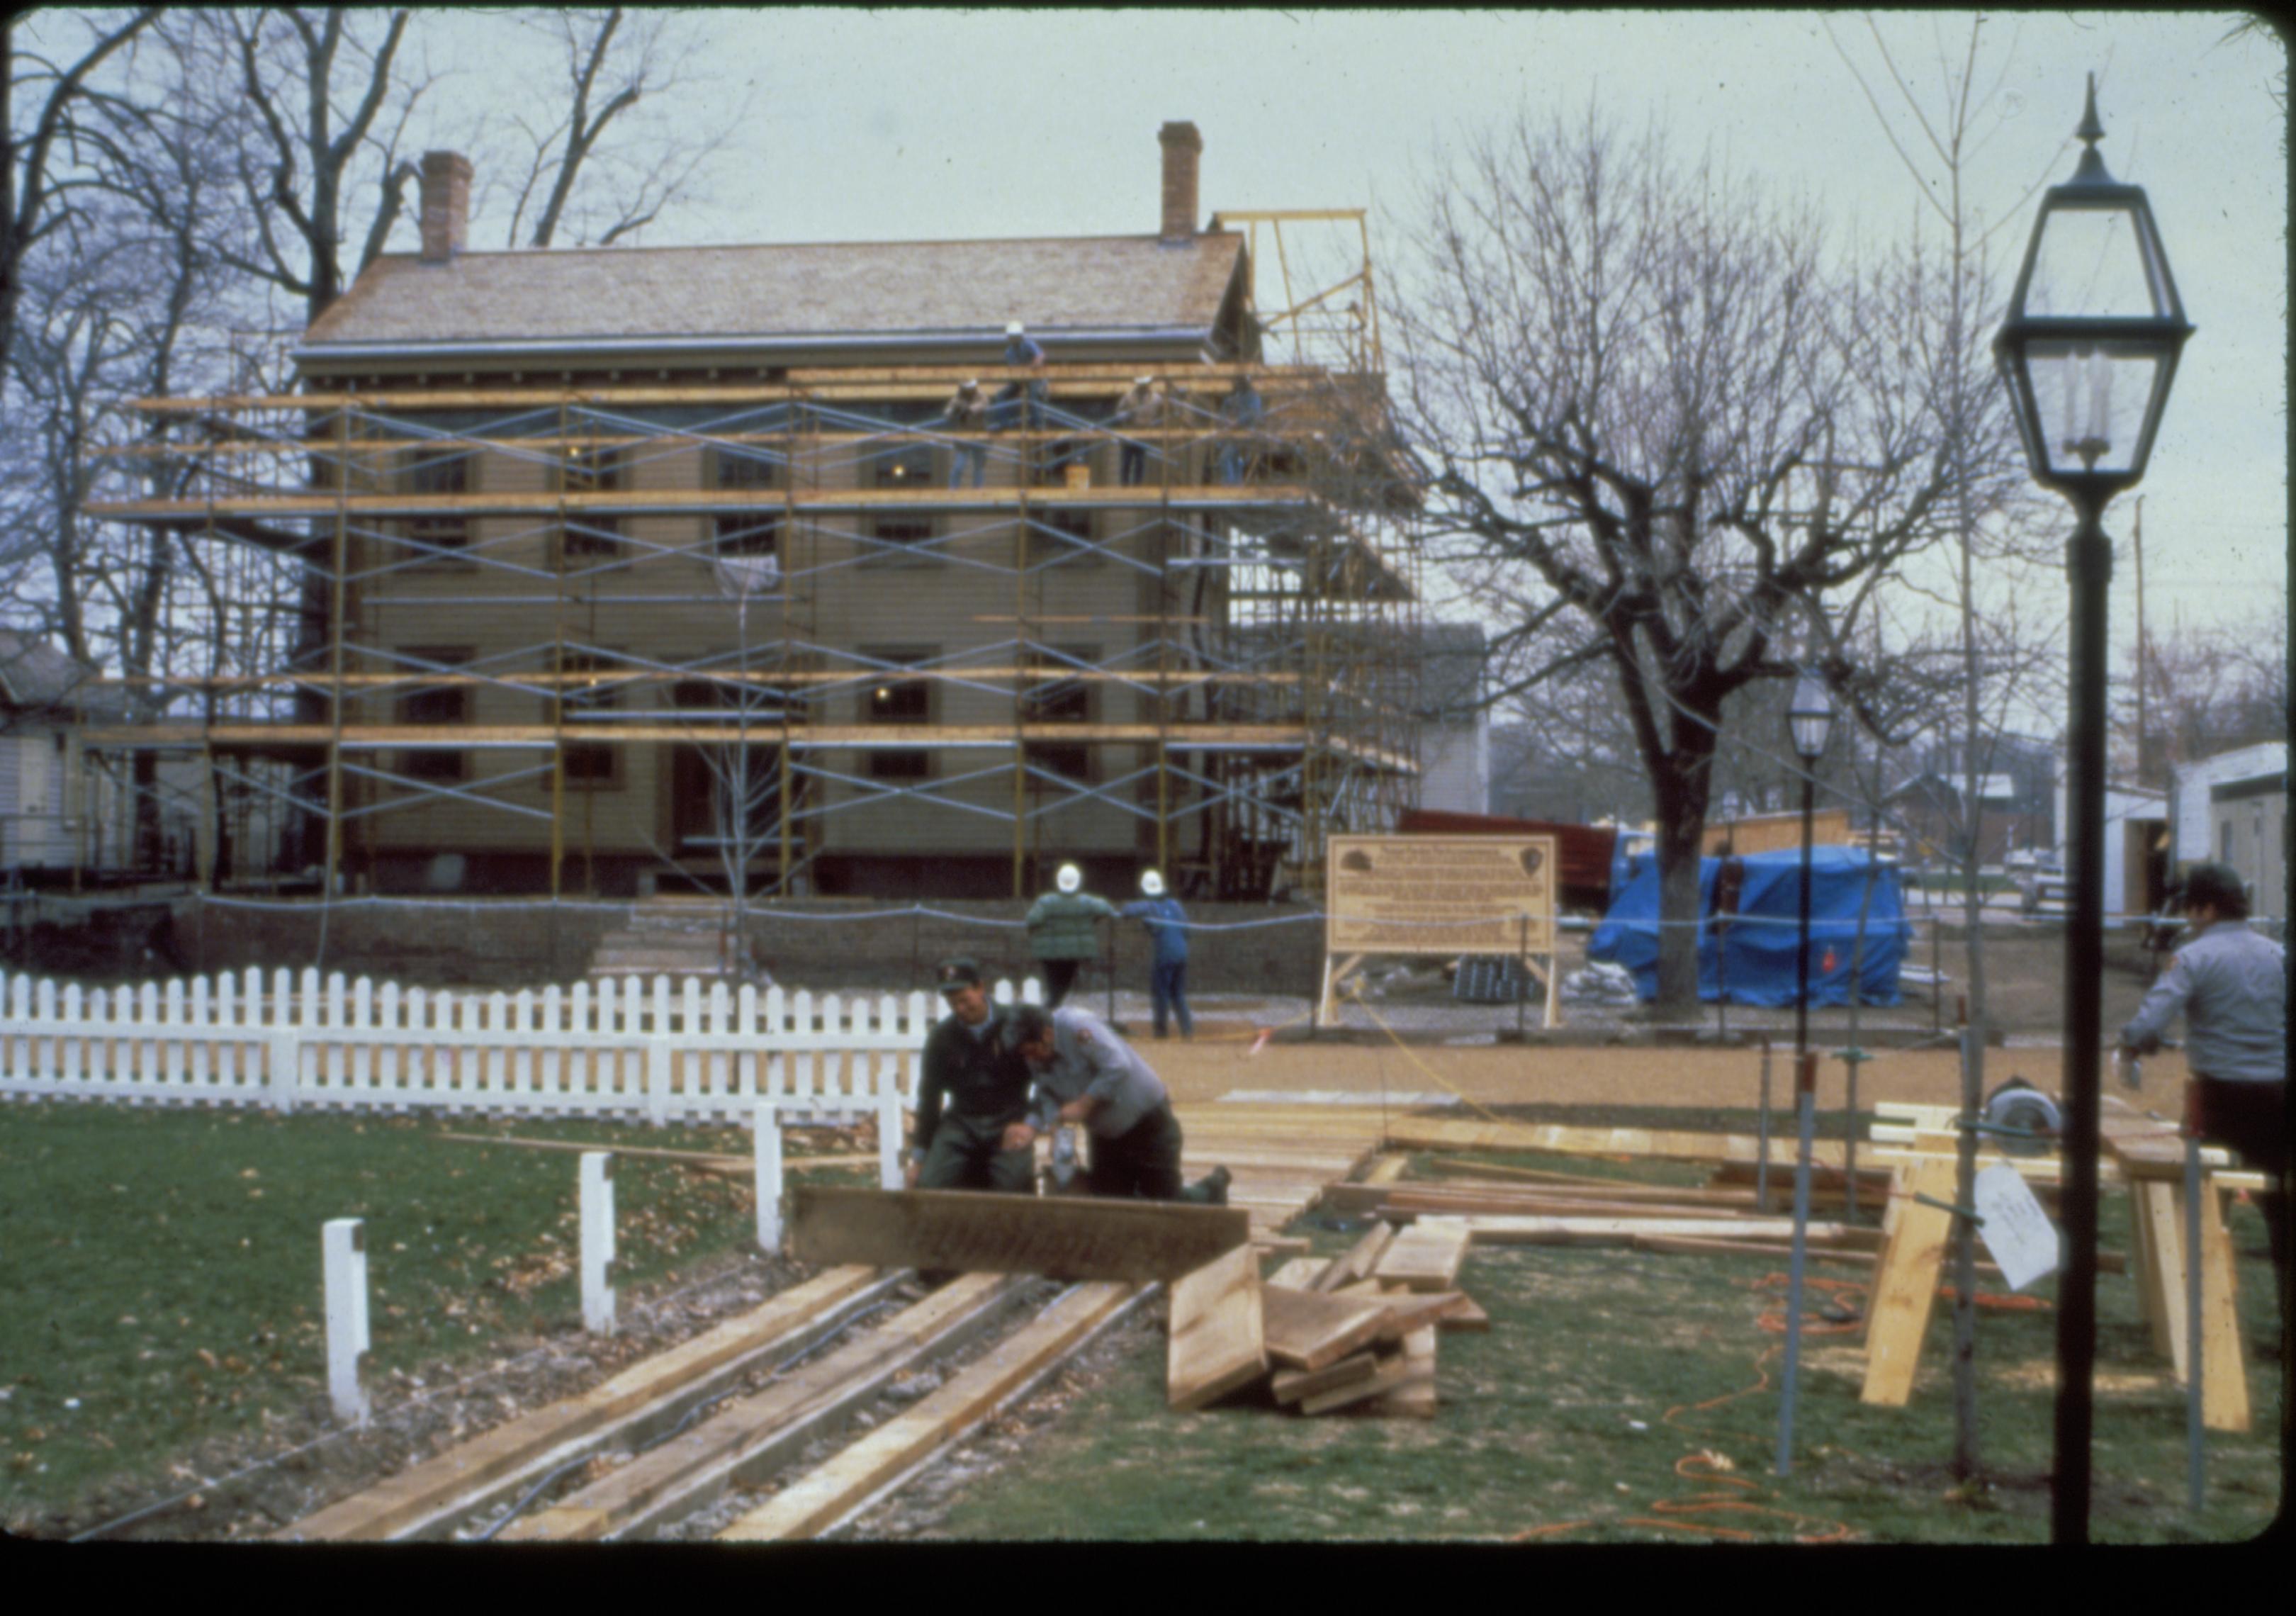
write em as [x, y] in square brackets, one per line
[1354, 1334]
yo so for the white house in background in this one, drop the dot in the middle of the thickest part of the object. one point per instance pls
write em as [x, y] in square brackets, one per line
[1455, 729]
[2233, 808]
[55, 812]
[2135, 848]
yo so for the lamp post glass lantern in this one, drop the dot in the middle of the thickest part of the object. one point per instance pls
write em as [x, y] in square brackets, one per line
[2088, 351]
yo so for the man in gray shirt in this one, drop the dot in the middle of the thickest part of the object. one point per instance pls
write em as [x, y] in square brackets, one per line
[2232, 986]
[1085, 1073]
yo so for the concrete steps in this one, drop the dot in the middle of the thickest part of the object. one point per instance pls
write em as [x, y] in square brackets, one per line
[671, 937]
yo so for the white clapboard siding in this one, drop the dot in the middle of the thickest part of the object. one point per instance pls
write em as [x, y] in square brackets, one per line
[663, 1051]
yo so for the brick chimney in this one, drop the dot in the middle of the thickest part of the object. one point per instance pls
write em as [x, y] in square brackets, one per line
[1181, 144]
[446, 204]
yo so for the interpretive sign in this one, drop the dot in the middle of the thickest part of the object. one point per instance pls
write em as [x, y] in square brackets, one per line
[1447, 896]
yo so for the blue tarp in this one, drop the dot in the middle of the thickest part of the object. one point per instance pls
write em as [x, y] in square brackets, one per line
[1762, 938]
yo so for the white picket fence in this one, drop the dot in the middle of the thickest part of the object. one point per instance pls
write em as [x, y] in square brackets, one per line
[661, 1051]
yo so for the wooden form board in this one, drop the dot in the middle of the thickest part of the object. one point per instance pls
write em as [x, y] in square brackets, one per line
[657, 1387]
[1217, 1341]
[692, 1469]
[1064, 1237]
[819, 1500]
[1307, 1329]
[1356, 1262]
[1905, 1285]
[1506, 1229]
[1445, 1134]
[1426, 1256]
[1298, 1386]
[1441, 896]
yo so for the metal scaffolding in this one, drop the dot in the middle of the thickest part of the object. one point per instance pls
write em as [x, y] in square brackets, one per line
[771, 585]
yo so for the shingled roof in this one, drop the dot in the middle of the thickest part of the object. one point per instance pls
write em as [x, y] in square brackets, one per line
[575, 298]
[34, 675]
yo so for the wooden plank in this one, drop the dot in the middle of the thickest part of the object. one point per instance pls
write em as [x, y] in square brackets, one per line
[1391, 1372]
[1426, 1256]
[1408, 1310]
[1415, 1398]
[818, 1500]
[1387, 1169]
[1676, 1245]
[1905, 1287]
[1217, 1342]
[657, 1389]
[1064, 1237]
[2149, 1306]
[1357, 1259]
[1297, 1385]
[1447, 1134]
[2164, 1250]
[750, 1436]
[2224, 1377]
[1307, 1331]
[1500, 1229]
[1300, 1273]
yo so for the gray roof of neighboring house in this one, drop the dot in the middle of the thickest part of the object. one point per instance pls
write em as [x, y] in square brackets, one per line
[34, 674]
[1990, 788]
[573, 296]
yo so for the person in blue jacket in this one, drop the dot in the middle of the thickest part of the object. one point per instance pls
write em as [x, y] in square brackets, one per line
[1167, 972]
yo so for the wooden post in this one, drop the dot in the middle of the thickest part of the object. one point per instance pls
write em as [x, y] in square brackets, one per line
[768, 1180]
[597, 1215]
[342, 1242]
[888, 1129]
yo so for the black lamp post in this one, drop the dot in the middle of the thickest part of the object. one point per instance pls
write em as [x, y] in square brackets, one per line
[1809, 717]
[2089, 349]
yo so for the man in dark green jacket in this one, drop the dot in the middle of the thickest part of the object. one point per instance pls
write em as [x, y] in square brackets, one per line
[972, 1091]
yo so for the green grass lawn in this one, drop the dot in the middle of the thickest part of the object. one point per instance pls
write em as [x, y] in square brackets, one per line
[163, 1267]
[1569, 1419]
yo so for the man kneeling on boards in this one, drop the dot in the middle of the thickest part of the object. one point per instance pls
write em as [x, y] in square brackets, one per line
[1086, 1074]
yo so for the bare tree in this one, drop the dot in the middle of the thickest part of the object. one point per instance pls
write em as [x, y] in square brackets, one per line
[322, 96]
[1651, 410]
[589, 133]
[35, 198]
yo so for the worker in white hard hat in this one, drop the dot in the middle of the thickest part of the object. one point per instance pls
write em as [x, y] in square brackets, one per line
[1141, 409]
[1060, 934]
[1016, 399]
[967, 411]
[1167, 970]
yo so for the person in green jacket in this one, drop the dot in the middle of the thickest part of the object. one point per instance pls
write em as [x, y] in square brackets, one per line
[1060, 935]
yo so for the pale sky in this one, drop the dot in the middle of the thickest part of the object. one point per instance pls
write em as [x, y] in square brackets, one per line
[909, 125]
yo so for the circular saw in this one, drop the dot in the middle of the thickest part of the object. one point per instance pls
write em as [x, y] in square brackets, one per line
[2018, 1105]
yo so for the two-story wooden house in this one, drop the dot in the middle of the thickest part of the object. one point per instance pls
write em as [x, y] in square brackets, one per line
[656, 569]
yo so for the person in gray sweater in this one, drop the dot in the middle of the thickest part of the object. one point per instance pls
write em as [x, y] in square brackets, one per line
[1086, 1074]
[2232, 985]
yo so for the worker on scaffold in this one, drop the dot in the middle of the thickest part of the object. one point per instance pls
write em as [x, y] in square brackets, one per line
[1086, 1076]
[1140, 410]
[967, 413]
[1022, 401]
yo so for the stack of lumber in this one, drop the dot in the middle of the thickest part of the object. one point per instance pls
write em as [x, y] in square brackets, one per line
[1355, 1333]
[1495, 1206]
[1278, 1156]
